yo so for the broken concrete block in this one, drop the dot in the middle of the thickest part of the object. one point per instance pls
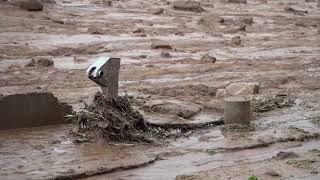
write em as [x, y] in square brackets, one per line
[32, 109]
[160, 44]
[242, 88]
[188, 6]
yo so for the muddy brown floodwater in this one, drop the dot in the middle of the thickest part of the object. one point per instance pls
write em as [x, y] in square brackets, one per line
[275, 43]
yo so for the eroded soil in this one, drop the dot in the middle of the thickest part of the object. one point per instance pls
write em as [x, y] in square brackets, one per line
[280, 50]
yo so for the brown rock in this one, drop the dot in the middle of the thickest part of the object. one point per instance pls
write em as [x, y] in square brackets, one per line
[215, 104]
[183, 110]
[237, 1]
[264, 1]
[247, 20]
[107, 2]
[95, 30]
[207, 59]
[243, 88]
[58, 21]
[188, 6]
[165, 54]
[30, 5]
[160, 44]
[236, 40]
[295, 11]
[306, 24]
[143, 56]
[40, 62]
[272, 173]
[157, 11]
[242, 28]
[285, 155]
[210, 22]
[49, 1]
[139, 30]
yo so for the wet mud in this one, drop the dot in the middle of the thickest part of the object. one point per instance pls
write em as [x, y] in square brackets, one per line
[175, 85]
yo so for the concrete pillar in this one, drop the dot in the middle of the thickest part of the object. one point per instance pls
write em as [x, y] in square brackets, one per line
[111, 77]
[105, 72]
[237, 110]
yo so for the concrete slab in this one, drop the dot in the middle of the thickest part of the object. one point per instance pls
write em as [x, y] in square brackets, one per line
[31, 109]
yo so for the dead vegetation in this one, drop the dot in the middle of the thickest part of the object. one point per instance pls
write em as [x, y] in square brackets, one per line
[115, 120]
[112, 118]
[265, 104]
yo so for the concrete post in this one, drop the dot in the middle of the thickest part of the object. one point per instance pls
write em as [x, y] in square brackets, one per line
[105, 72]
[237, 110]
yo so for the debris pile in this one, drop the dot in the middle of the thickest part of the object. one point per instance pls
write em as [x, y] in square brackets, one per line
[111, 118]
[265, 104]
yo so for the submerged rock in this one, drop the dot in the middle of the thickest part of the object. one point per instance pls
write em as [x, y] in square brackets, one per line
[178, 109]
[49, 1]
[295, 11]
[246, 20]
[210, 22]
[237, 1]
[188, 6]
[107, 2]
[207, 59]
[157, 11]
[165, 54]
[40, 62]
[236, 40]
[139, 30]
[160, 44]
[30, 5]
